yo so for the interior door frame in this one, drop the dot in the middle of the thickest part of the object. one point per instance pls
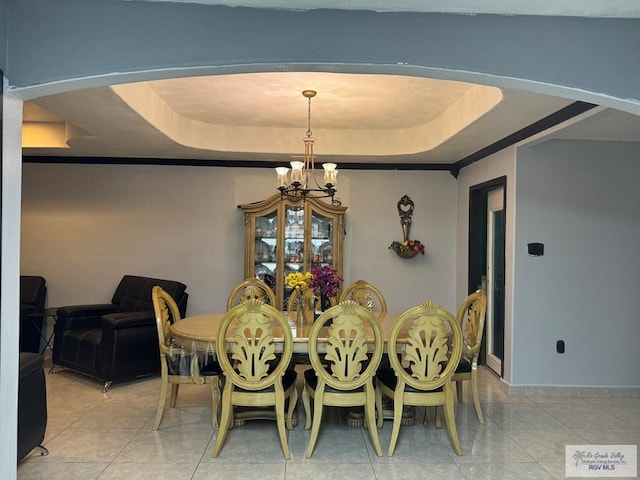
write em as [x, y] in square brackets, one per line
[477, 261]
[1, 163]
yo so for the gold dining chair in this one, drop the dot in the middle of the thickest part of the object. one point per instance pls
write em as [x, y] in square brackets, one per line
[366, 295]
[343, 375]
[177, 365]
[471, 316]
[254, 375]
[369, 297]
[430, 350]
[248, 289]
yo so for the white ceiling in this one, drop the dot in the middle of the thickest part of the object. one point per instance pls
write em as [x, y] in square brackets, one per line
[355, 118]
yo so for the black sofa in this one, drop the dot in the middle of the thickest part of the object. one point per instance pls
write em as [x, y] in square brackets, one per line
[32, 405]
[33, 292]
[117, 341]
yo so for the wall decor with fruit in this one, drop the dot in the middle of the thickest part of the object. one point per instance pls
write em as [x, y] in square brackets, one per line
[407, 248]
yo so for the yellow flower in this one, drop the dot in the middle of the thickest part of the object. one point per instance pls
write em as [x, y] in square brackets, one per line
[298, 280]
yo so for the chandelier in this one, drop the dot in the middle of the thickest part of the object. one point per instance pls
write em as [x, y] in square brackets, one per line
[303, 182]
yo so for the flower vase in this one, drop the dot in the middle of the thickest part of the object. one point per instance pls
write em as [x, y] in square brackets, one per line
[317, 308]
[325, 303]
[299, 311]
[322, 304]
[304, 309]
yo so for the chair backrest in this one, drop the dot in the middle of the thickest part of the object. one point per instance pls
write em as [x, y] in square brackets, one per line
[167, 313]
[173, 357]
[252, 288]
[430, 349]
[133, 293]
[353, 342]
[367, 296]
[248, 355]
[33, 291]
[471, 317]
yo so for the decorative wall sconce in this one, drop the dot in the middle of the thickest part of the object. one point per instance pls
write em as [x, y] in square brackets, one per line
[407, 248]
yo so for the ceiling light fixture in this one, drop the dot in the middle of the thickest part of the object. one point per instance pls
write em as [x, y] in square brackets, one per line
[303, 171]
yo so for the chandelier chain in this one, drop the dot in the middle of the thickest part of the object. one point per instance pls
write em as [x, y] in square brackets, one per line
[309, 133]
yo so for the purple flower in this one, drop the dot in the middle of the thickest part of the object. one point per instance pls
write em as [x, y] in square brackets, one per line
[325, 281]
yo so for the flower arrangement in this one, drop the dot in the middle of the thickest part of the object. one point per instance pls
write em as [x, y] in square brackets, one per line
[325, 281]
[408, 248]
[298, 280]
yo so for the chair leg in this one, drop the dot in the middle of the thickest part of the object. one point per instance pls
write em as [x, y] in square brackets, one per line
[293, 401]
[397, 420]
[43, 450]
[459, 390]
[429, 415]
[438, 417]
[476, 397]
[174, 395]
[379, 408]
[225, 420]
[370, 419]
[280, 421]
[161, 401]
[215, 403]
[450, 420]
[306, 401]
[317, 418]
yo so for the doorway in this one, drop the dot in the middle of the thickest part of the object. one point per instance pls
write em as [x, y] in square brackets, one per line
[487, 207]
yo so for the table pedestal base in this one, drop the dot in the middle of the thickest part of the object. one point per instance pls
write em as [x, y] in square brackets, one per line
[242, 414]
[355, 417]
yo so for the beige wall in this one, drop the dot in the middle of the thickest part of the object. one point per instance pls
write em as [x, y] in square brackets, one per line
[84, 226]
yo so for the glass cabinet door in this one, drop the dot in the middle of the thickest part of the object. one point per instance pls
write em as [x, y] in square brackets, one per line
[294, 249]
[284, 236]
[321, 240]
[265, 251]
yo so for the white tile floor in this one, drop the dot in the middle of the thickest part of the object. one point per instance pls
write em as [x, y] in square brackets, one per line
[95, 436]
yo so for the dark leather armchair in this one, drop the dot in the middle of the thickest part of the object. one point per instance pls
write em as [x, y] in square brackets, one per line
[33, 292]
[32, 405]
[117, 341]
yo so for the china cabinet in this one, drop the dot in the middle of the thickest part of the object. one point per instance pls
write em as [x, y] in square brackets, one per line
[285, 235]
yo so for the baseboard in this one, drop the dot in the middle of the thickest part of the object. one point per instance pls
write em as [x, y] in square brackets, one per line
[569, 391]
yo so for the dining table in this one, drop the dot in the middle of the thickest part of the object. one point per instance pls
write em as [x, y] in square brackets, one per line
[198, 334]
